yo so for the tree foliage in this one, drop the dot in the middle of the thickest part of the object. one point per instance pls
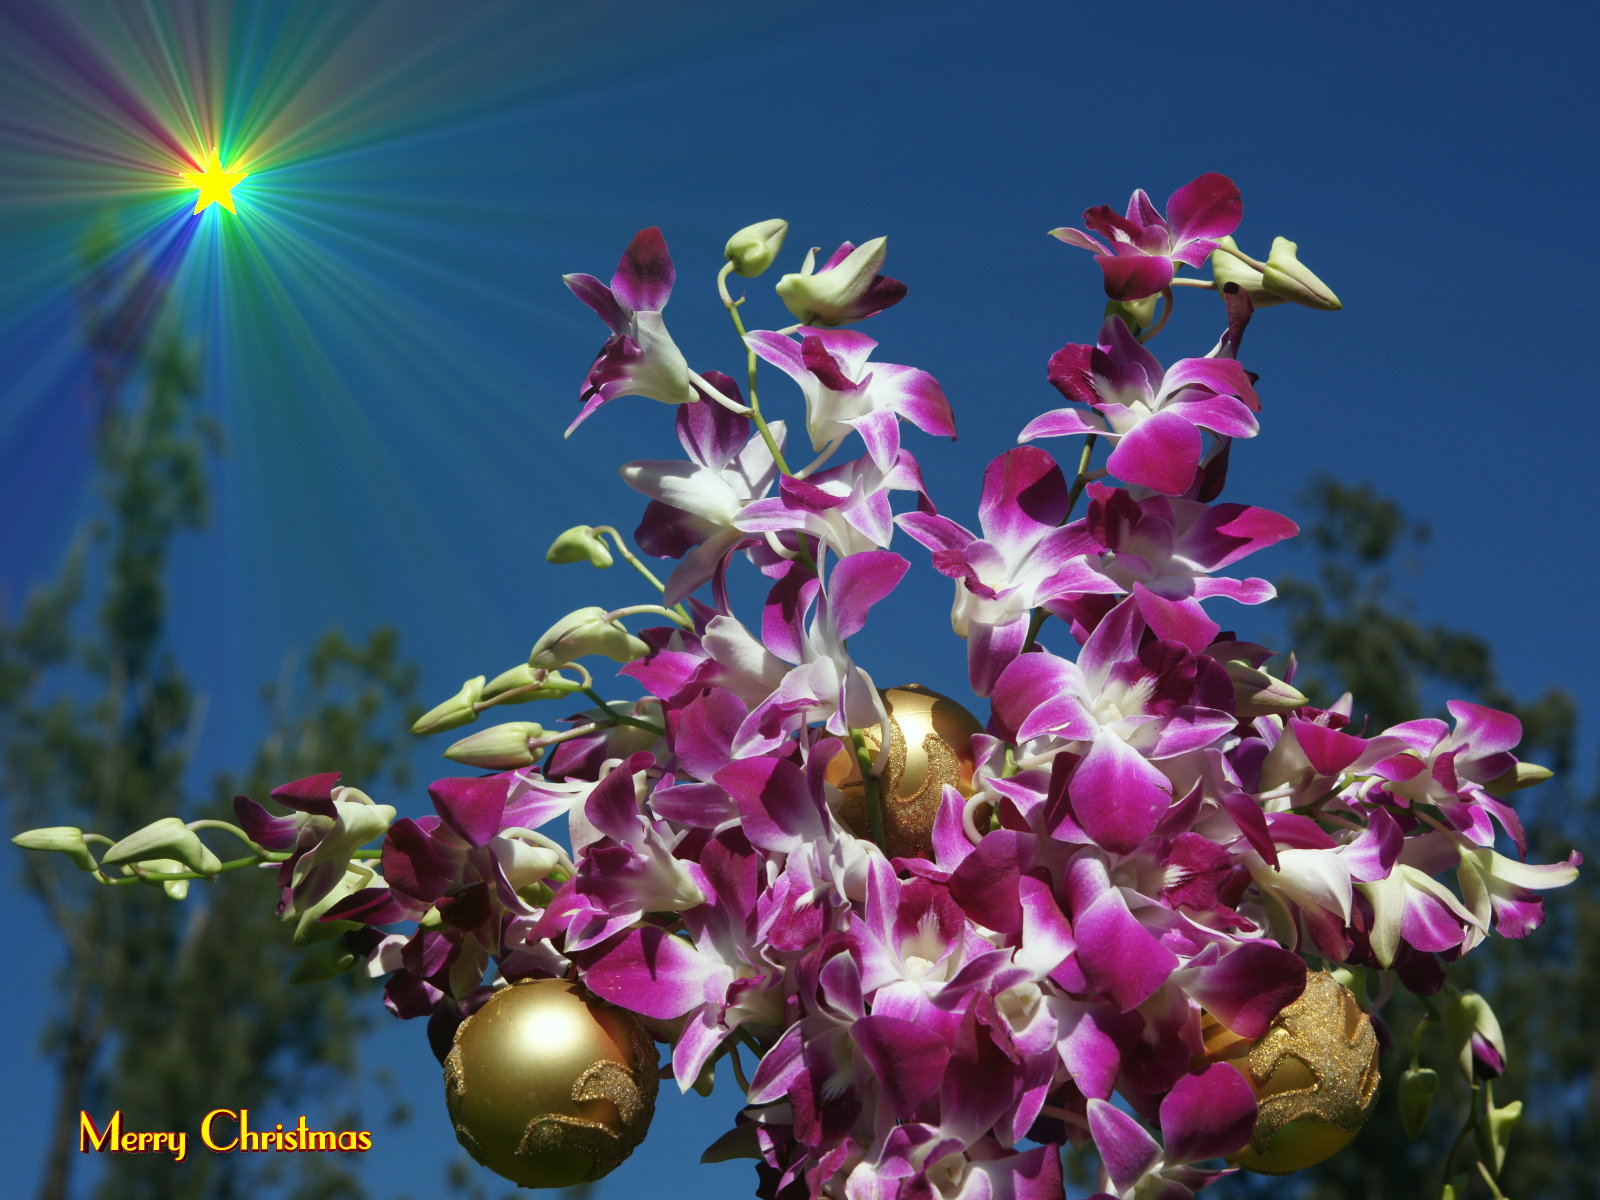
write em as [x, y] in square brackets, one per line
[1354, 620]
[170, 1009]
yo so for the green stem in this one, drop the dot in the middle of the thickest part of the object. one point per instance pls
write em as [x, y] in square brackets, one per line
[229, 827]
[1161, 322]
[621, 718]
[632, 560]
[1466, 1132]
[869, 784]
[1242, 257]
[1078, 484]
[751, 360]
[738, 1069]
[656, 610]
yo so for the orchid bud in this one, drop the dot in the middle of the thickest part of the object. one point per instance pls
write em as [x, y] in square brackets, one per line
[1136, 314]
[1518, 777]
[1257, 694]
[498, 749]
[579, 544]
[583, 632]
[459, 710]
[753, 248]
[1418, 1086]
[1288, 277]
[522, 683]
[846, 291]
[168, 838]
[1474, 1033]
[1228, 268]
[176, 889]
[66, 839]
[1494, 1135]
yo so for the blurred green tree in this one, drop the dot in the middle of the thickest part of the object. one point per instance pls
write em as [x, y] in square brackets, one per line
[1353, 620]
[169, 1009]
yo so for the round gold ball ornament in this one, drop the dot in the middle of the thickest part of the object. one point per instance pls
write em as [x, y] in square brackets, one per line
[549, 1086]
[930, 745]
[1314, 1073]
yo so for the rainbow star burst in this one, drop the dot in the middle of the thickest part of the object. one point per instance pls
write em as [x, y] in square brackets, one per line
[215, 184]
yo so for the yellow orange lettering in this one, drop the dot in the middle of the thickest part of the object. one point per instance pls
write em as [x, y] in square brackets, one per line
[205, 1129]
[89, 1135]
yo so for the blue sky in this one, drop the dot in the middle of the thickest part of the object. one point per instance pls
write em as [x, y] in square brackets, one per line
[395, 369]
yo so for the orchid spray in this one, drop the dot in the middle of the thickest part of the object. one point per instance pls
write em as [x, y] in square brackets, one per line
[939, 950]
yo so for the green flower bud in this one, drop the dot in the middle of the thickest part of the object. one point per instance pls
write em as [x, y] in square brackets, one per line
[1136, 314]
[1520, 776]
[1468, 1019]
[176, 889]
[583, 632]
[1228, 268]
[1494, 1135]
[1418, 1086]
[579, 544]
[1257, 694]
[753, 248]
[453, 713]
[498, 749]
[528, 683]
[1288, 277]
[168, 838]
[65, 839]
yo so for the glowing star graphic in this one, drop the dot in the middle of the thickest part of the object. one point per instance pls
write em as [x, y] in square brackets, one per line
[215, 184]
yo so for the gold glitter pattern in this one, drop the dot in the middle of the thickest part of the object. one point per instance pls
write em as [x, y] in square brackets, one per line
[526, 1104]
[929, 747]
[1318, 1061]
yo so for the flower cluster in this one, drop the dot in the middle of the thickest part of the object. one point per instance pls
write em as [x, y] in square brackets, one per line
[1145, 836]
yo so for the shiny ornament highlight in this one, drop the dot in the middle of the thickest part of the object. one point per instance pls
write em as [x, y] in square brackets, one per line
[1314, 1073]
[549, 1086]
[930, 745]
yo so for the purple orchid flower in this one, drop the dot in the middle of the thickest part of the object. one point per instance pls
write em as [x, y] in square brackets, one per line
[845, 508]
[1024, 559]
[1204, 1116]
[1121, 708]
[694, 505]
[1144, 245]
[1163, 551]
[844, 393]
[1153, 415]
[639, 358]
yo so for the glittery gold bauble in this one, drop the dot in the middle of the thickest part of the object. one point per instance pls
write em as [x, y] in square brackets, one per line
[930, 745]
[549, 1086]
[1314, 1073]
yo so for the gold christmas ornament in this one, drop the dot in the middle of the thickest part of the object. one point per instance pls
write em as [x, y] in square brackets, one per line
[930, 745]
[1314, 1073]
[549, 1086]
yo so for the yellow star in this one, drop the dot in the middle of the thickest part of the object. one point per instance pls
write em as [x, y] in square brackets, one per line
[215, 184]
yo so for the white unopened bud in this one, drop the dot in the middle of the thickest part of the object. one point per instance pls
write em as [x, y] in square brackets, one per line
[583, 632]
[64, 839]
[1257, 694]
[167, 838]
[501, 748]
[1288, 277]
[459, 710]
[753, 248]
[579, 544]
